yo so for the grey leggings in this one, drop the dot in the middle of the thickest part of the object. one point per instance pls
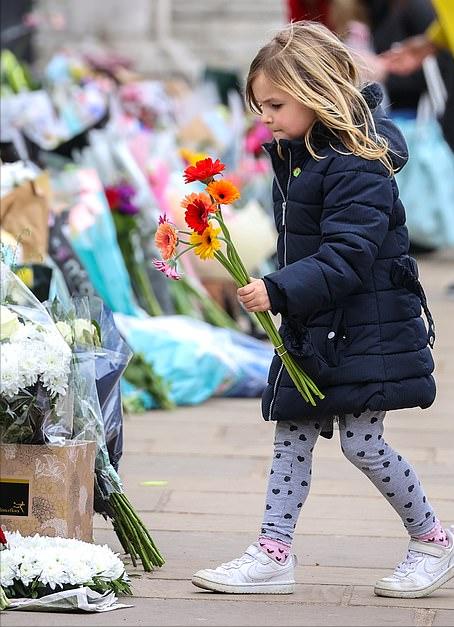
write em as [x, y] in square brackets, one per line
[362, 444]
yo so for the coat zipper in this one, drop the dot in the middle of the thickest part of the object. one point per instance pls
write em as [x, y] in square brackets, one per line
[284, 226]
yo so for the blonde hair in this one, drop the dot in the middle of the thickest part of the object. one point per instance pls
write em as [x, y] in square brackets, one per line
[309, 62]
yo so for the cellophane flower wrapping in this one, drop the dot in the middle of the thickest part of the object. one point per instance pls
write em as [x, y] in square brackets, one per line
[112, 359]
[100, 357]
[85, 338]
[35, 398]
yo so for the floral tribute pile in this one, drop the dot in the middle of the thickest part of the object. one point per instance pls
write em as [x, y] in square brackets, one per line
[209, 237]
[36, 566]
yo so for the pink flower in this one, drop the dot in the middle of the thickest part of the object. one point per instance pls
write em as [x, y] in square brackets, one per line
[169, 270]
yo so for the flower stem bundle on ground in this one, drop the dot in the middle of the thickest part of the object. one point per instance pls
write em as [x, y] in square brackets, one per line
[209, 238]
[143, 376]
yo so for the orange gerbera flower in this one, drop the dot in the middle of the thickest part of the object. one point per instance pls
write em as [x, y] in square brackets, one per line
[203, 170]
[224, 192]
[166, 239]
[198, 207]
[207, 243]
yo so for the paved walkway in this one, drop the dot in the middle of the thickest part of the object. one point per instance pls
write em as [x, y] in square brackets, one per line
[215, 458]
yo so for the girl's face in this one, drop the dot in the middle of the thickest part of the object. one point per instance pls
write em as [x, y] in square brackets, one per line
[285, 116]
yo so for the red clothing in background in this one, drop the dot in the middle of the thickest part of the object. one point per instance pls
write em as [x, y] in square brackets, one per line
[308, 10]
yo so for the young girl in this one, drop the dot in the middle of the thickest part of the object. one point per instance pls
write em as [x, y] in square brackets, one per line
[350, 302]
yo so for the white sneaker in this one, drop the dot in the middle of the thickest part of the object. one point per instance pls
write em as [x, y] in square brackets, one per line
[426, 567]
[254, 572]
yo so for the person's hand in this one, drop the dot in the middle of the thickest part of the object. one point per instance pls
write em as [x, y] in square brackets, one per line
[407, 57]
[372, 66]
[254, 296]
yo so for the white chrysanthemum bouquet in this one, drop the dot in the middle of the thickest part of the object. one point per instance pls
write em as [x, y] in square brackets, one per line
[35, 566]
[35, 367]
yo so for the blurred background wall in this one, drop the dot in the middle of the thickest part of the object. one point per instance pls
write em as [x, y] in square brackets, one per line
[165, 36]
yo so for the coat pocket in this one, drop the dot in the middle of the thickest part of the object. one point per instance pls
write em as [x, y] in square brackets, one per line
[336, 338]
[298, 343]
[315, 352]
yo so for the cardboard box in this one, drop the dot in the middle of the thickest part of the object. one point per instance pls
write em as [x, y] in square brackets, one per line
[48, 489]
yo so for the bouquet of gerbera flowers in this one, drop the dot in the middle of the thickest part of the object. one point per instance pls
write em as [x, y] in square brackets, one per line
[209, 237]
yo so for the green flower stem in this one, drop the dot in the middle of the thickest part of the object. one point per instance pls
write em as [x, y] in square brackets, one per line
[152, 303]
[125, 543]
[136, 540]
[231, 269]
[133, 534]
[144, 529]
[125, 227]
[189, 247]
[146, 536]
[230, 247]
[124, 540]
[232, 263]
[130, 530]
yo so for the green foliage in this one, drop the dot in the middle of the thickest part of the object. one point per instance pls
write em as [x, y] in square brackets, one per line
[142, 375]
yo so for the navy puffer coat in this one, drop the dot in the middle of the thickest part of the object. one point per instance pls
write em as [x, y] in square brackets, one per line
[348, 292]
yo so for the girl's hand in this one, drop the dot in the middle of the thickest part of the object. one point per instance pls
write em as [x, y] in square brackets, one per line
[254, 296]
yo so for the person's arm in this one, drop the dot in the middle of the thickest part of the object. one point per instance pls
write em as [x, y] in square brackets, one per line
[354, 223]
[408, 56]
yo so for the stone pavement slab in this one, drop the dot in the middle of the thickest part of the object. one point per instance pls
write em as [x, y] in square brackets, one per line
[214, 612]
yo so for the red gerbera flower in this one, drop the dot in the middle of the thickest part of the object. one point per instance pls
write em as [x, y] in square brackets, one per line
[203, 170]
[198, 207]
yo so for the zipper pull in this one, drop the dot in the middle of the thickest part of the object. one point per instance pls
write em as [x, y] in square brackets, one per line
[284, 208]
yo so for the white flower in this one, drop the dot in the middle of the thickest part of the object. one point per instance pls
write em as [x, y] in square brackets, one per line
[84, 331]
[65, 330]
[10, 380]
[8, 568]
[57, 561]
[9, 322]
[29, 569]
[26, 331]
[79, 572]
[29, 352]
[52, 573]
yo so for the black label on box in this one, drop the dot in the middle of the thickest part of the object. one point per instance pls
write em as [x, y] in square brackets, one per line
[14, 497]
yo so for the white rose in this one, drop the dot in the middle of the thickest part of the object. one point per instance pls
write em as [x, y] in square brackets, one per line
[9, 322]
[65, 330]
[84, 331]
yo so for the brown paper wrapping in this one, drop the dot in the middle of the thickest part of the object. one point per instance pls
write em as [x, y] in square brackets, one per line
[48, 489]
[24, 213]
